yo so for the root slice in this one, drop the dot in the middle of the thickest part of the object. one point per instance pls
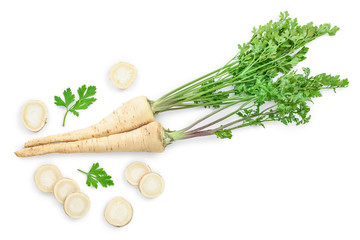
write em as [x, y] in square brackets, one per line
[151, 185]
[118, 212]
[46, 177]
[135, 171]
[123, 74]
[64, 187]
[34, 115]
[76, 205]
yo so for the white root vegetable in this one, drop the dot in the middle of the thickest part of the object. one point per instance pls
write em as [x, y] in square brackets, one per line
[135, 171]
[123, 74]
[46, 177]
[76, 205]
[151, 185]
[148, 138]
[133, 114]
[118, 212]
[34, 115]
[64, 187]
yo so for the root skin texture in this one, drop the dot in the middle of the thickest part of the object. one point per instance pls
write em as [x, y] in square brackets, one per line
[135, 171]
[76, 205]
[34, 115]
[148, 138]
[64, 187]
[46, 177]
[130, 115]
[151, 185]
[118, 212]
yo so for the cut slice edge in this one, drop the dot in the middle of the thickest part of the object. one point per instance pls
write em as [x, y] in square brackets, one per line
[135, 171]
[151, 185]
[34, 115]
[46, 177]
[123, 74]
[118, 212]
[64, 187]
[76, 205]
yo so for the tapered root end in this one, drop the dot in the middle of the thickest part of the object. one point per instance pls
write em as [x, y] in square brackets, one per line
[20, 153]
[26, 152]
[33, 151]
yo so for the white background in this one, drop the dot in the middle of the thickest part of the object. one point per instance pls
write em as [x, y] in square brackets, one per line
[281, 182]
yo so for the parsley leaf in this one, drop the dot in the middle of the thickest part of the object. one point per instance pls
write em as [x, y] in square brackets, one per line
[224, 133]
[84, 101]
[97, 175]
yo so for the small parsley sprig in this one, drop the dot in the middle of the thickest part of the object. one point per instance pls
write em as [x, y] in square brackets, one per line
[97, 175]
[84, 101]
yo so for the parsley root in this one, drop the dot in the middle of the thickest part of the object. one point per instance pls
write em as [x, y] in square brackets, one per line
[131, 115]
[118, 212]
[122, 75]
[258, 85]
[76, 205]
[151, 185]
[46, 177]
[273, 50]
[135, 171]
[148, 138]
[284, 100]
[34, 115]
[64, 187]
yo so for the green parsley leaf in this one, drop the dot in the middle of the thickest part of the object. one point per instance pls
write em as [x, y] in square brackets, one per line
[97, 175]
[224, 133]
[84, 101]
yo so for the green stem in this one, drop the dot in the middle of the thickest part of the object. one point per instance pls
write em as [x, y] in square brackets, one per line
[206, 117]
[83, 172]
[65, 117]
[187, 84]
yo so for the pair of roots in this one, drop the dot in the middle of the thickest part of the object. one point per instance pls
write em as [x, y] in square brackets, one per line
[130, 128]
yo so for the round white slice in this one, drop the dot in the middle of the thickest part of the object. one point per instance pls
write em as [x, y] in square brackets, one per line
[123, 74]
[118, 212]
[34, 115]
[135, 171]
[151, 185]
[76, 205]
[64, 187]
[46, 177]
